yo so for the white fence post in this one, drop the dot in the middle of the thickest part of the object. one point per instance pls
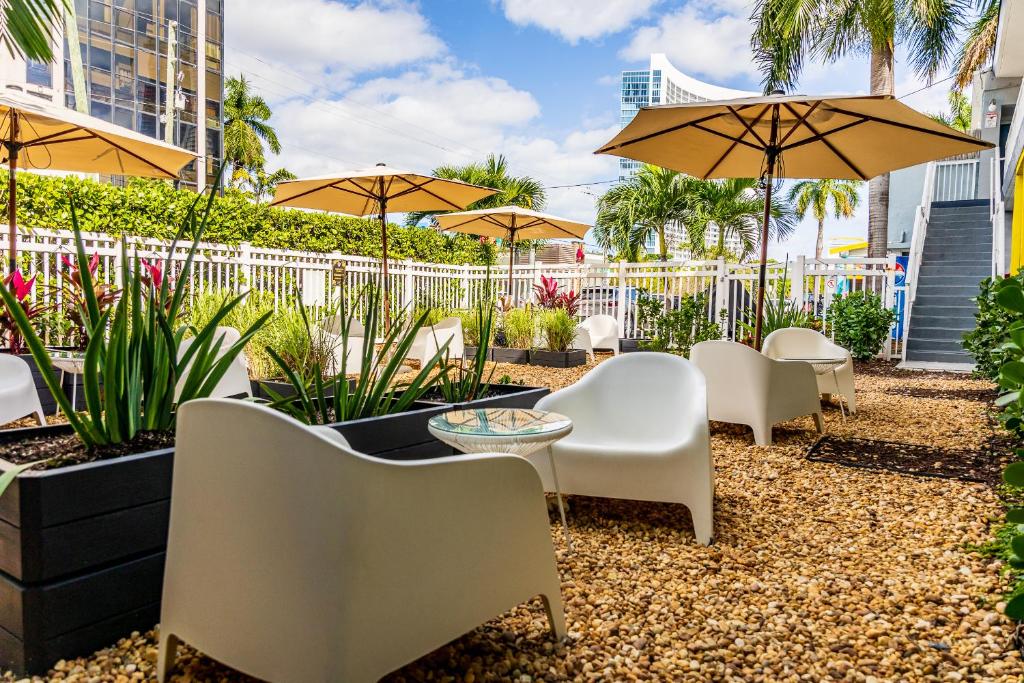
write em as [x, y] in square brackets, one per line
[799, 280]
[408, 297]
[722, 295]
[620, 309]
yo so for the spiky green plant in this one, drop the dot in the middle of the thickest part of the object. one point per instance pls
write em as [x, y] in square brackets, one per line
[465, 381]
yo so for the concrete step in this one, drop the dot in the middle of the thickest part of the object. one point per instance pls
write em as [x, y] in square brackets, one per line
[949, 278]
[924, 300]
[974, 272]
[941, 253]
[939, 356]
[960, 203]
[928, 344]
[954, 312]
[944, 333]
[959, 240]
[964, 292]
[926, 319]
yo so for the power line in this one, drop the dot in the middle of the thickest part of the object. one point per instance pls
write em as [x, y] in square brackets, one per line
[934, 83]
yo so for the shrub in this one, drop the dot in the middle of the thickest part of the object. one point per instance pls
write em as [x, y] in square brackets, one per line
[150, 208]
[518, 326]
[558, 329]
[860, 323]
[677, 330]
[989, 333]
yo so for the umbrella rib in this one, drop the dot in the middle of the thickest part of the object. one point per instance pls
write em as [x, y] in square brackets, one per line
[828, 144]
[917, 129]
[799, 121]
[733, 145]
[434, 195]
[36, 143]
[368, 194]
[666, 131]
[132, 154]
[465, 222]
[45, 138]
[750, 126]
[818, 137]
[735, 140]
[332, 184]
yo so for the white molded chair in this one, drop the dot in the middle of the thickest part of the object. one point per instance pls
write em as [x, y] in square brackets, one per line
[604, 332]
[746, 387]
[582, 341]
[346, 360]
[430, 338]
[18, 395]
[321, 564]
[640, 432]
[800, 342]
[235, 381]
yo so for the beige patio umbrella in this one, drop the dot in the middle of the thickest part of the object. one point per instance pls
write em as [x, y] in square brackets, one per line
[374, 191]
[38, 134]
[783, 136]
[511, 223]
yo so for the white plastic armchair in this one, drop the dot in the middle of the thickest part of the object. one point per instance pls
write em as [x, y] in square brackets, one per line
[800, 342]
[347, 357]
[746, 387]
[18, 395]
[430, 338]
[323, 564]
[604, 332]
[640, 432]
[235, 381]
[582, 341]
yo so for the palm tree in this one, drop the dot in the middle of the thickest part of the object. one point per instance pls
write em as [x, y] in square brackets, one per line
[959, 114]
[980, 44]
[736, 207]
[521, 191]
[788, 31]
[28, 27]
[260, 183]
[647, 203]
[816, 195]
[245, 126]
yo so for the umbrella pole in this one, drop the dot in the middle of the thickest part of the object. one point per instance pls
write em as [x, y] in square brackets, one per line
[384, 262]
[762, 276]
[511, 258]
[12, 189]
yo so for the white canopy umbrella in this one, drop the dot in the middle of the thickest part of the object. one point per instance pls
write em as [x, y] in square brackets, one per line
[38, 134]
[511, 223]
[372, 192]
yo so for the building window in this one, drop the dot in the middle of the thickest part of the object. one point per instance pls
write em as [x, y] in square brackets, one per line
[39, 73]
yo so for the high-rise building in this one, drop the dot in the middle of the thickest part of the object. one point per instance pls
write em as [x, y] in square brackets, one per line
[662, 83]
[125, 46]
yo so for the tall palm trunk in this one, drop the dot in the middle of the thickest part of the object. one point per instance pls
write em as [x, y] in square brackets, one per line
[882, 76]
[662, 245]
[820, 244]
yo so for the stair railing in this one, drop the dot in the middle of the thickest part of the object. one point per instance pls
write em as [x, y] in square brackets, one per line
[997, 213]
[921, 216]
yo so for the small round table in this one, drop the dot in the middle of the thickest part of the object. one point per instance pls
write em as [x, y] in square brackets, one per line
[72, 362]
[823, 366]
[505, 430]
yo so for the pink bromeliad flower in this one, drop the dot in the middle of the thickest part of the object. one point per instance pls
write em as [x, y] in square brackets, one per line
[94, 263]
[156, 273]
[18, 285]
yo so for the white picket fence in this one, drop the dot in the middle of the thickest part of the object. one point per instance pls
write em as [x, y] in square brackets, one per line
[612, 289]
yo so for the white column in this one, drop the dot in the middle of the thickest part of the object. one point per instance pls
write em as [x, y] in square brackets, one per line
[620, 312]
[201, 96]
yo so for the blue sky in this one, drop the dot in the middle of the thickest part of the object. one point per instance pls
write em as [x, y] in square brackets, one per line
[446, 81]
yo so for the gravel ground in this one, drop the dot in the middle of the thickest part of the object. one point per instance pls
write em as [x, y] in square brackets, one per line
[818, 572]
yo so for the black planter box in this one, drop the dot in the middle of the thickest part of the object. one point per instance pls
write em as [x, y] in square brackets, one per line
[280, 387]
[558, 359]
[401, 436]
[516, 356]
[470, 352]
[631, 345]
[503, 396]
[81, 555]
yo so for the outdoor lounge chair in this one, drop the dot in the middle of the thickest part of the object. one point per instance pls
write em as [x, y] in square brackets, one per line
[18, 396]
[294, 559]
[235, 381]
[640, 432]
[746, 387]
[800, 342]
[432, 337]
[604, 333]
[347, 360]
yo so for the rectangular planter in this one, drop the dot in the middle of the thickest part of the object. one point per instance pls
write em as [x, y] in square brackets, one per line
[470, 352]
[558, 359]
[503, 396]
[81, 555]
[279, 386]
[516, 356]
[630, 345]
[402, 436]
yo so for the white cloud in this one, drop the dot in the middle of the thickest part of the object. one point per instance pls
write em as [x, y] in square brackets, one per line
[574, 20]
[325, 38]
[710, 39]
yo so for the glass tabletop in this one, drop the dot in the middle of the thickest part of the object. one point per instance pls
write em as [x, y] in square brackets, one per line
[501, 422]
[64, 354]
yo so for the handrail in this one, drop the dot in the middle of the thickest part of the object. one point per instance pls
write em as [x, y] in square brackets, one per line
[997, 214]
[921, 217]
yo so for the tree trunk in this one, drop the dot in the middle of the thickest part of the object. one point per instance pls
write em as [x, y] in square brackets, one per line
[882, 76]
[662, 245]
[820, 244]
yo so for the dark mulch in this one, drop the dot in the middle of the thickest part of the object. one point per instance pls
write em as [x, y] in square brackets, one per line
[980, 395]
[984, 465]
[61, 450]
[888, 370]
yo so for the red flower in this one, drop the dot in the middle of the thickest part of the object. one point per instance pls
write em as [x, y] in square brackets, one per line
[156, 275]
[18, 285]
[94, 263]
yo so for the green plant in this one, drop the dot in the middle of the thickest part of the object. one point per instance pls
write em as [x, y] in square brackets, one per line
[468, 383]
[1013, 539]
[558, 329]
[992, 321]
[677, 330]
[375, 391]
[860, 323]
[21, 289]
[133, 373]
[518, 326]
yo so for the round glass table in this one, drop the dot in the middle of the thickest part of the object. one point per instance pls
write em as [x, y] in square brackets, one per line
[69, 362]
[505, 430]
[823, 366]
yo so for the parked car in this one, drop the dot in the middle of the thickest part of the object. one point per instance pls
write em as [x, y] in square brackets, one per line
[605, 301]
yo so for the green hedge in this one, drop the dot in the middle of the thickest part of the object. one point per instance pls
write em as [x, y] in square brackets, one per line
[152, 208]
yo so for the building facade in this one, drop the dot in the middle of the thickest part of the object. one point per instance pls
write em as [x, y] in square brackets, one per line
[662, 83]
[125, 48]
